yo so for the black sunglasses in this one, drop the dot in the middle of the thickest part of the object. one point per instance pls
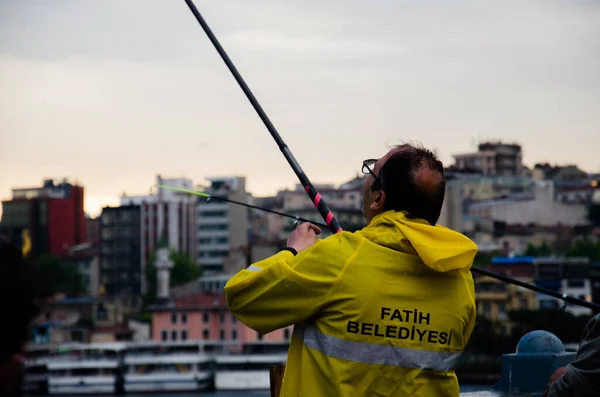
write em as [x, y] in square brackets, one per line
[367, 168]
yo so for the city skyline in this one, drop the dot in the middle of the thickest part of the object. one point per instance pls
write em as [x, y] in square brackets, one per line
[111, 94]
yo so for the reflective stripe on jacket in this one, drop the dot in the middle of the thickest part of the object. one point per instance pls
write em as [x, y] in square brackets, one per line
[385, 311]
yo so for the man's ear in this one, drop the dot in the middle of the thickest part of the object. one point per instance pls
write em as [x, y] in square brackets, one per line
[377, 200]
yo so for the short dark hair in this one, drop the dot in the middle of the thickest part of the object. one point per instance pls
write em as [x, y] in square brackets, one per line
[17, 299]
[404, 192]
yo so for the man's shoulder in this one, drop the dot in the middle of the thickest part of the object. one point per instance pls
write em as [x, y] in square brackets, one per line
[343, 237]
[336, 247]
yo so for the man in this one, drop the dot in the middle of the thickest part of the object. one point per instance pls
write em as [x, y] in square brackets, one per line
[384, 311]
[581, 378]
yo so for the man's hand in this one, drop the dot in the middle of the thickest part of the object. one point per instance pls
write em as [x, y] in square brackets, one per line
[303, 236]
[557, 374]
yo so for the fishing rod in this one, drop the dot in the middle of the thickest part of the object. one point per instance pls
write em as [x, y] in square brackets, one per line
[220, 198]
[312, 192]
[564, 297]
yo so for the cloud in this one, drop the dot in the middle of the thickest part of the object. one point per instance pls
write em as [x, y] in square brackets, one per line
[114, 92]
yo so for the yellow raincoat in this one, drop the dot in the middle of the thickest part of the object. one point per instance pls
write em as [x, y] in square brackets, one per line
[384, 311]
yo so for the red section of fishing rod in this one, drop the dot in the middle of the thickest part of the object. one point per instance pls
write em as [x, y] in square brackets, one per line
[312, 192]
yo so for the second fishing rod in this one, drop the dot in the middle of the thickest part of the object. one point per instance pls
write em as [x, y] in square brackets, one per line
[563, 297]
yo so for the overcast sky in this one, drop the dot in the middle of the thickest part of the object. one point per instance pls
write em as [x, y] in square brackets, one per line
[112, 92]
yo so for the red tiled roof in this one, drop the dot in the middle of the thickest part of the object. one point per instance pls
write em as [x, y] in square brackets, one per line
[201, 299]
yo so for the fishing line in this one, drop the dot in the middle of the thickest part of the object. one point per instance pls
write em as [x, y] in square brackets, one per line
[563, 297]
[221, 198]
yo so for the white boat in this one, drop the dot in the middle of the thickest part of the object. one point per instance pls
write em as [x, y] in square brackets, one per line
[35, 370]
[174, 373]
[35, 378]
[167, 367]
[83, 377]
[245, 371]
[85, 369]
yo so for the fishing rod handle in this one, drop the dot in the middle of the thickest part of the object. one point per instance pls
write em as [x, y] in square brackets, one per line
[313, 193]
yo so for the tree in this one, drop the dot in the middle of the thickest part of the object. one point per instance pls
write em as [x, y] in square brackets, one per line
[531, 250]
[585, 248]
[51, 276]
[185, 269]
[485, 258]
[542, 250]
[567, 327]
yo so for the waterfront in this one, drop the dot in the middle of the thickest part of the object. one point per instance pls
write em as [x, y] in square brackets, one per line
[265, 393]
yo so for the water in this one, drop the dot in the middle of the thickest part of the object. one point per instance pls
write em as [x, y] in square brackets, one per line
[266, 393]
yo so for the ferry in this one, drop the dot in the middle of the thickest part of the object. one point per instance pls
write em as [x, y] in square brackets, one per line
[85, 369]
[85, 377]
[35, 369]
[249, 369]
[167, 367]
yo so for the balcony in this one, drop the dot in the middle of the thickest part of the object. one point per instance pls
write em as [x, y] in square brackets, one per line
[211, 247]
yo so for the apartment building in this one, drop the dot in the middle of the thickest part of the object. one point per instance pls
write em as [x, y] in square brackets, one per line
[492, 158]
[166, 214]
[222, 227]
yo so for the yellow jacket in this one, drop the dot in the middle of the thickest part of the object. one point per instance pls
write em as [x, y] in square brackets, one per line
[384, 311]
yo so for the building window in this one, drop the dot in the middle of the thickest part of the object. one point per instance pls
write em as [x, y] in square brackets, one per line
[77, 336]
[259, 336]
[174, 318]
[205, 334]
[222, 317]
[286, 333]
[222, 334]
[163, 335]
[205, 317]
[184, 335]
[183, 318]
[173, 335]
[523, 303]
[234, 334]
[233, 319]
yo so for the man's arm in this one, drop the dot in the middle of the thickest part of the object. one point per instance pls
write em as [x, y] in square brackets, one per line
[285, 289]
[582, 376]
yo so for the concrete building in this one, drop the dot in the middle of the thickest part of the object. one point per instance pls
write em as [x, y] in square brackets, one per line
[345, 202]
[121, 272]
[169, 214]
[266, 227]
[570, 276]
[92, 230]
[45, 220]
[540, 208]
[85, 320]
[465, 188]
[582, 194]
[222, 227]
[493, 158]
[85, 258]
[452, 215]
[202, 314]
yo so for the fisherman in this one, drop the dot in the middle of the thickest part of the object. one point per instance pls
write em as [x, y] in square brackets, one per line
[580, 378]
[384, 311]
